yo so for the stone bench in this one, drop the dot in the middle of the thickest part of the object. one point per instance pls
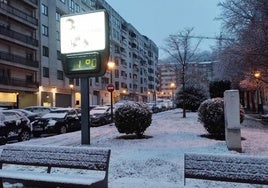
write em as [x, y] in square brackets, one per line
[231, 168]
[58, 166]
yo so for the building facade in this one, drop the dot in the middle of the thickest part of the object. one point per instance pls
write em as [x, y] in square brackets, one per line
[19, 52]
[169, 74]
[135, 57]
[30, 62]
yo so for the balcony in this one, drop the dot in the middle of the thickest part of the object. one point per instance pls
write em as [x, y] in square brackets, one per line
[18, 59]
[18, 36]
[18, 82]
[34, 3]
[16, 12]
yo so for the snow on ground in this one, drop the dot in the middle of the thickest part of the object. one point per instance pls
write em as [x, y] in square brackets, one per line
[157, 162]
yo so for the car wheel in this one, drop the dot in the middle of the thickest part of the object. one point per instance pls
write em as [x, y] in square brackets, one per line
[63, 129]
[36, 134]
[24, 135]
[3, 140]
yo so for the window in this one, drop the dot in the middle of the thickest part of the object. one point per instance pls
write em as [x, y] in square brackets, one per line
[29, 55]
[116, 73]
[45, 51]
[71, 5]
[44, 9]
[59, 75]
[4, 1]
[77, 8]
[29, 78]
[46, 72]
[57, 16]
[77, 83]
[57, 35]
[116, 85]
[44, 30]
[58, 55]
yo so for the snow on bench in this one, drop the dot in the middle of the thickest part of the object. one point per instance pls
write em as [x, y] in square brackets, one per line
[230, 168]
[55, 166]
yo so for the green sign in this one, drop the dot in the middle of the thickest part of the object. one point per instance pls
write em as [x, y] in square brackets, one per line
[86, 62]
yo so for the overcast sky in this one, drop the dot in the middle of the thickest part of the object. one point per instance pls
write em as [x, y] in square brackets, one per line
[157, 19]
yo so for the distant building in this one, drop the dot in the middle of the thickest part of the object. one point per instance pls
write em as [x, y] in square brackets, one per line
[170, 72]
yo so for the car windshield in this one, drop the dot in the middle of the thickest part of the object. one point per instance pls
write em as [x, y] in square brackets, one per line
[98, 110]
[56, 114]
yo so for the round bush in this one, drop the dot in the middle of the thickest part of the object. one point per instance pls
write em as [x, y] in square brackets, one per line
[211, 114]
[133, 118]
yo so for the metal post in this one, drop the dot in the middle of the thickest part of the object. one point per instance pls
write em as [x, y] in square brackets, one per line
[112, 115]
[85, 123]
[173, 98]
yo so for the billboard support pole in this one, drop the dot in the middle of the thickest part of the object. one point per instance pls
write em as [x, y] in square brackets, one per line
[85, 123]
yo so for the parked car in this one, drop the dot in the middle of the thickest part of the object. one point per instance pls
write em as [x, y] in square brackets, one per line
[153, 107]
[40, 110]
[100, 115]
[14, 126]
[30, 115]
[57, 121]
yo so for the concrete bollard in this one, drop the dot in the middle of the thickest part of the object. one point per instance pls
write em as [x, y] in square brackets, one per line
[232, 120]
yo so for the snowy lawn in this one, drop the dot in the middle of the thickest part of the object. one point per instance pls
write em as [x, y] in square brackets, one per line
[157, 162]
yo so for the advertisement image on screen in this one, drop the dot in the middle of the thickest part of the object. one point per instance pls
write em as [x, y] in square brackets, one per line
[83, 33]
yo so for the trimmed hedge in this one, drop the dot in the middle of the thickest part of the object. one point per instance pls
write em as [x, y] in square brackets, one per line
[133, 118]
[211, 114]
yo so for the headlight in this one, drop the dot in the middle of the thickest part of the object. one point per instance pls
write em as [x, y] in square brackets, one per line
[51, 122]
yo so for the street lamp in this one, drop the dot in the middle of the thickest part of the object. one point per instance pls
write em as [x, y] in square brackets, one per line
[257, 75]
[172, 85]
[111, 65]
[72, 97]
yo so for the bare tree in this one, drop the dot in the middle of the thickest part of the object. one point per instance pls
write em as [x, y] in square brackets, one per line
[247, 21]
[179, 48]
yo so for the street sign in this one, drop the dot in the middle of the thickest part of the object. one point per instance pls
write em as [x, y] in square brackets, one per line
[110, 87]
[85, 45]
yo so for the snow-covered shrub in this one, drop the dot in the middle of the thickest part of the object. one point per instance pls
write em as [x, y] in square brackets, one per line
[211, 114]
[133, 118]
[195, 94]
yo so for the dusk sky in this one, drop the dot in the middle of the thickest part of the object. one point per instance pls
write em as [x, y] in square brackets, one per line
[157, 19]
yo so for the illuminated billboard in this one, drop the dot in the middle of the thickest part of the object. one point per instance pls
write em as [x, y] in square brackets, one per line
[85, 45]
[83, 33]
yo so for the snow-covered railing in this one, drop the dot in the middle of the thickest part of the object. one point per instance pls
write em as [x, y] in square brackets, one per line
[231, 168]
[60, 166]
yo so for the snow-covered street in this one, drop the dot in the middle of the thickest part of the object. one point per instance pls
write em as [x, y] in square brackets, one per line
[157, 161]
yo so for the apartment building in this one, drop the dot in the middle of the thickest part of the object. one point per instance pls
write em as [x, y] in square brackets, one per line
[134, 55]
[169, 74]
[30, 58]
[19, 52]
[55, 89]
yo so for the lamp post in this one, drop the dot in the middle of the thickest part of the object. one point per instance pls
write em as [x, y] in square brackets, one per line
[172, 85]
[71, 87]
[111, 65]
[257, 75]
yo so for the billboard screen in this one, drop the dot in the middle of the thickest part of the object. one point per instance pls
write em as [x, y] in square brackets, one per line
[83, 33]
